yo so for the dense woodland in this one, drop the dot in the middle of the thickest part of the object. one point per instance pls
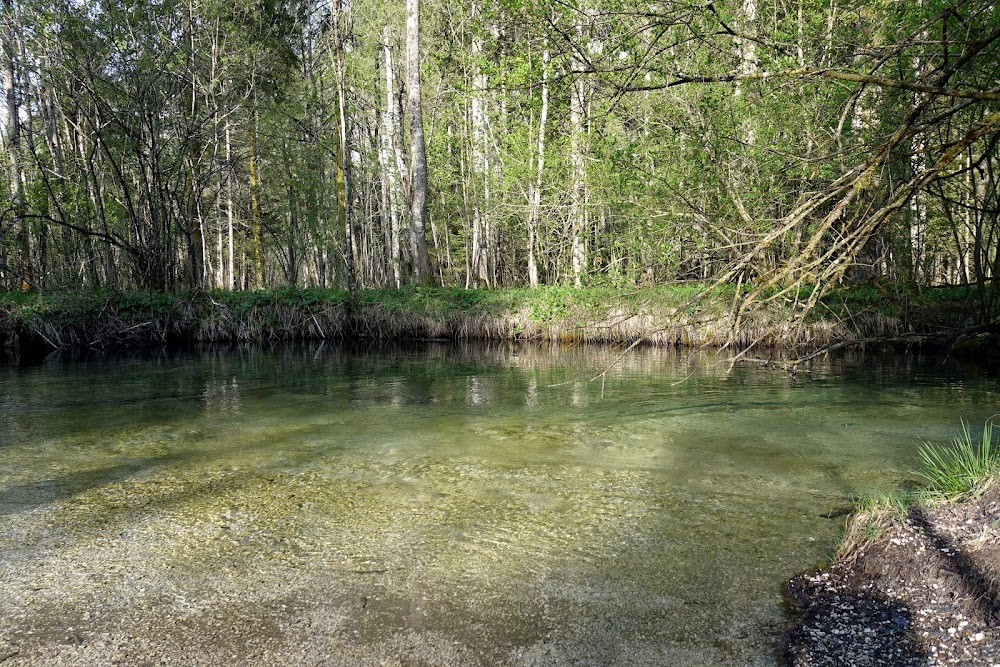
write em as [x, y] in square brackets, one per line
[238, 144]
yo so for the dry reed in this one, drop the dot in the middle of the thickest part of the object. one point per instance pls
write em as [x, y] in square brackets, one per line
[202, 318]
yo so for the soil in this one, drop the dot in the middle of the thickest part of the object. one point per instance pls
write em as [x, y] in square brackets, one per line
[921, 590]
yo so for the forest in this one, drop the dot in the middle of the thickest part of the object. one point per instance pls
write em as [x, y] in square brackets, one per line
[266, 267]
[777, 145]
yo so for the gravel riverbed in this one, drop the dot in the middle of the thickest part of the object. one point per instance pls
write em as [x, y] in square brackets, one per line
[202, 567]
[98, 592]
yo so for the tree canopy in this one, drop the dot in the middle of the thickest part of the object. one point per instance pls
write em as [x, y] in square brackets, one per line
[784, 146]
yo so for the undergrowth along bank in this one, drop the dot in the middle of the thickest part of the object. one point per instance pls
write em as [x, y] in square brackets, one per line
[677, 315]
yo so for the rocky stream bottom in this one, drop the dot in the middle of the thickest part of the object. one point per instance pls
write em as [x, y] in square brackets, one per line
[207, 566]
[916, 591]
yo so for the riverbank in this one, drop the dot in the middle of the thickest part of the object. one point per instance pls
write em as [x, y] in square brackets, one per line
[916, 584]
[679, 315]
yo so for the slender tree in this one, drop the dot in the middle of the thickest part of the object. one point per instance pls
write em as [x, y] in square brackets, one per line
[418, 150]
[10, 48]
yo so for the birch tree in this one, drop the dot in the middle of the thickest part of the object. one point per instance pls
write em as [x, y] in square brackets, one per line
[392, 162]
[535, 192]
[10, 47]
[578, 100]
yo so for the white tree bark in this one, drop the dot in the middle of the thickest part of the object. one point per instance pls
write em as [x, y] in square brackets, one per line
[578, 162]
[535, 195]
[480, 168]
[389, 158]
[748, 62]
[9, 34]
[340, 19]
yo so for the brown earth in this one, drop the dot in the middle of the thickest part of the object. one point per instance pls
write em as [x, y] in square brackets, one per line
[914, 591]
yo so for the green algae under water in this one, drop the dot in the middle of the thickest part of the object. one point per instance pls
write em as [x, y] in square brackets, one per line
[493, 498]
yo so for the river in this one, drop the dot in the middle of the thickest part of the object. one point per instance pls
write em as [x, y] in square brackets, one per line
[440, 504]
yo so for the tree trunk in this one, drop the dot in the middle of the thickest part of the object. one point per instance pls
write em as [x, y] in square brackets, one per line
[388, 162]
[535, 195]
[578, 163]
[418, 154]
[231, 274]
[192, 150]
[479, 261]
[918, 208]
[10, 33]
[748, 63]
[339, 19]
[255, 209]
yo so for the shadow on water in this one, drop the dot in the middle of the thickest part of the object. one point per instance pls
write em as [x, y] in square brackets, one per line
[28, 496]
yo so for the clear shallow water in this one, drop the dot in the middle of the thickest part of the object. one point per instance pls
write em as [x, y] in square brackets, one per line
[491, 497]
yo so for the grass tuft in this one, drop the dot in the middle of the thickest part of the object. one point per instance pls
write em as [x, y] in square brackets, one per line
[966, 465]
[895, 503]
[872, 516]
[962, 467]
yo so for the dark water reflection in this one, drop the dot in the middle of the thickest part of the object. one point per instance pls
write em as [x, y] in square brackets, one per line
[498, 495]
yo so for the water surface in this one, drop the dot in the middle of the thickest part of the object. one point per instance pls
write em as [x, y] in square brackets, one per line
[467, 504]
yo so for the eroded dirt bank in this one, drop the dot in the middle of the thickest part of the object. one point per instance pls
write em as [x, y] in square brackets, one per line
[920, 591]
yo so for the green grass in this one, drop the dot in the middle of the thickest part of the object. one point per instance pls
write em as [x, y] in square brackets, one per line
[686, 313]
[962, 467]
[543, 304]
[950, 471]
[895, 301]
[896, 503]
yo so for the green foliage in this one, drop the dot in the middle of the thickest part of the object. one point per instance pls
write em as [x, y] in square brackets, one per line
[159, 105]
[547, 304]
[963, 466]
[895, 300]
[246, 303]
[550, 305]
[896, 504]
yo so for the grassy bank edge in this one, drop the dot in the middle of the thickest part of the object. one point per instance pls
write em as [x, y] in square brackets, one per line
[677, 315]
[912, 564]
[952, 473]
